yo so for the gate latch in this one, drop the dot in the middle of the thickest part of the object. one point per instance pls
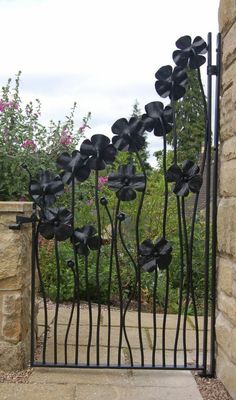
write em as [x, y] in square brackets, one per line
[20, 220]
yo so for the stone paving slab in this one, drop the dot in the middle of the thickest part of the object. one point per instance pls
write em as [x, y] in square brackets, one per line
[13, 391]
[132, 333]
[95, 392]
[82, 354]
[117, 384]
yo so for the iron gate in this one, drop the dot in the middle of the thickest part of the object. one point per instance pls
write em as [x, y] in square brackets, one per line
[88, 334]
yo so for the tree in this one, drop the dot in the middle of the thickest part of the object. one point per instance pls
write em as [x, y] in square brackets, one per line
[190, 124]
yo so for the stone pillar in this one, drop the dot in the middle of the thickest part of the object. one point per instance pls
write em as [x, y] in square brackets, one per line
[15, 283]
[226, 313]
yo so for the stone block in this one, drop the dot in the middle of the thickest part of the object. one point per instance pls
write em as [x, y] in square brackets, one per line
[228, 150]
[227, 226]
[228, 178]
[227, 14]
[225, 275]
[223, 333]
[227, 305]
[226, 372]
[228, 107]
[12, 357]
[229, 47]
[233, 344]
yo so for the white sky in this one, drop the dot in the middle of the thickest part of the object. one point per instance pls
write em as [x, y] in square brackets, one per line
[101, 53]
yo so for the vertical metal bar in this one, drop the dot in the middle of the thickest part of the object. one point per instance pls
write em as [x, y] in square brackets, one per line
[138, 269]
[33, 256]
[71, 316]
[119, 282]
[208, 195]
[154, 319]
[77, 277]
[131, 295]
[57, 299]
[98, 268]
[109, 282]
[214, 204]
[42, 290]
[90, 310]
[188, 273]
[180, 289]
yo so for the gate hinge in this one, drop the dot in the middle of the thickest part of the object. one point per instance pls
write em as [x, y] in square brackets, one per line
[212, 70]
[20, 220]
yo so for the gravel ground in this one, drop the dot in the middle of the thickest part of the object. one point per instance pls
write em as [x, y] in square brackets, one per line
[211, 389]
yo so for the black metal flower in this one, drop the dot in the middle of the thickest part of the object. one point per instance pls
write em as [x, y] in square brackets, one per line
[56, 222]
[190, 53]
[158, 118]
[129, 134]
[85, 239]
[153, 255]
[171, 82]
[126, 182]
[187, 179]
[99, 150]
[73, 166]
[45, 188]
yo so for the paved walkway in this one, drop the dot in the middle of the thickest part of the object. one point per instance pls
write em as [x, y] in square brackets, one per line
[76, 384]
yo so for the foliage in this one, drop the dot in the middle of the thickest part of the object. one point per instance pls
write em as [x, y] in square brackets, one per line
[190, 119]
[24, 139]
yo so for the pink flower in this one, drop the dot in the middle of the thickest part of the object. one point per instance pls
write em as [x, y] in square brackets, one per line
[102, 180]
[8, 104]
[66, 138]
[29, 144]
[3, 105]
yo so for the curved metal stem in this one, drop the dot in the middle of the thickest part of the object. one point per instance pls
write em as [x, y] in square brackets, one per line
[70, 319]
[109, 286]
[90, 309]
[132, 293]
[119, 282]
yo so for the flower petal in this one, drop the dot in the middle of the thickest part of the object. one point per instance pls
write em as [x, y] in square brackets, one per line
[109, 154]
[66, 177]
[183, 42]
[94, 243]
[82, 173]
[174, 173]
[189, 168]
[87, 148]
[149, 265]
[63, 232]
[96, 163]
[146, 248]
[120, 127]
[180, 58]
[163, 88]
[195, 183]
[126, 193]
[46, 230]
[178, 92]
[121, 143]
[196, 61]
[154, 109]
[148, 122]
[164, 73]
[199, 45]
[100, 141]
[181, 188]
[164, 261]
[63, 162]
[138, 182]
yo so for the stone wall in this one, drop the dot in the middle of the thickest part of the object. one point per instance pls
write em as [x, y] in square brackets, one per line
[15, 283]
[226, 313]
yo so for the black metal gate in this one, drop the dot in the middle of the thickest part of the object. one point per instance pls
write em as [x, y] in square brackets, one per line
[117, 240]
